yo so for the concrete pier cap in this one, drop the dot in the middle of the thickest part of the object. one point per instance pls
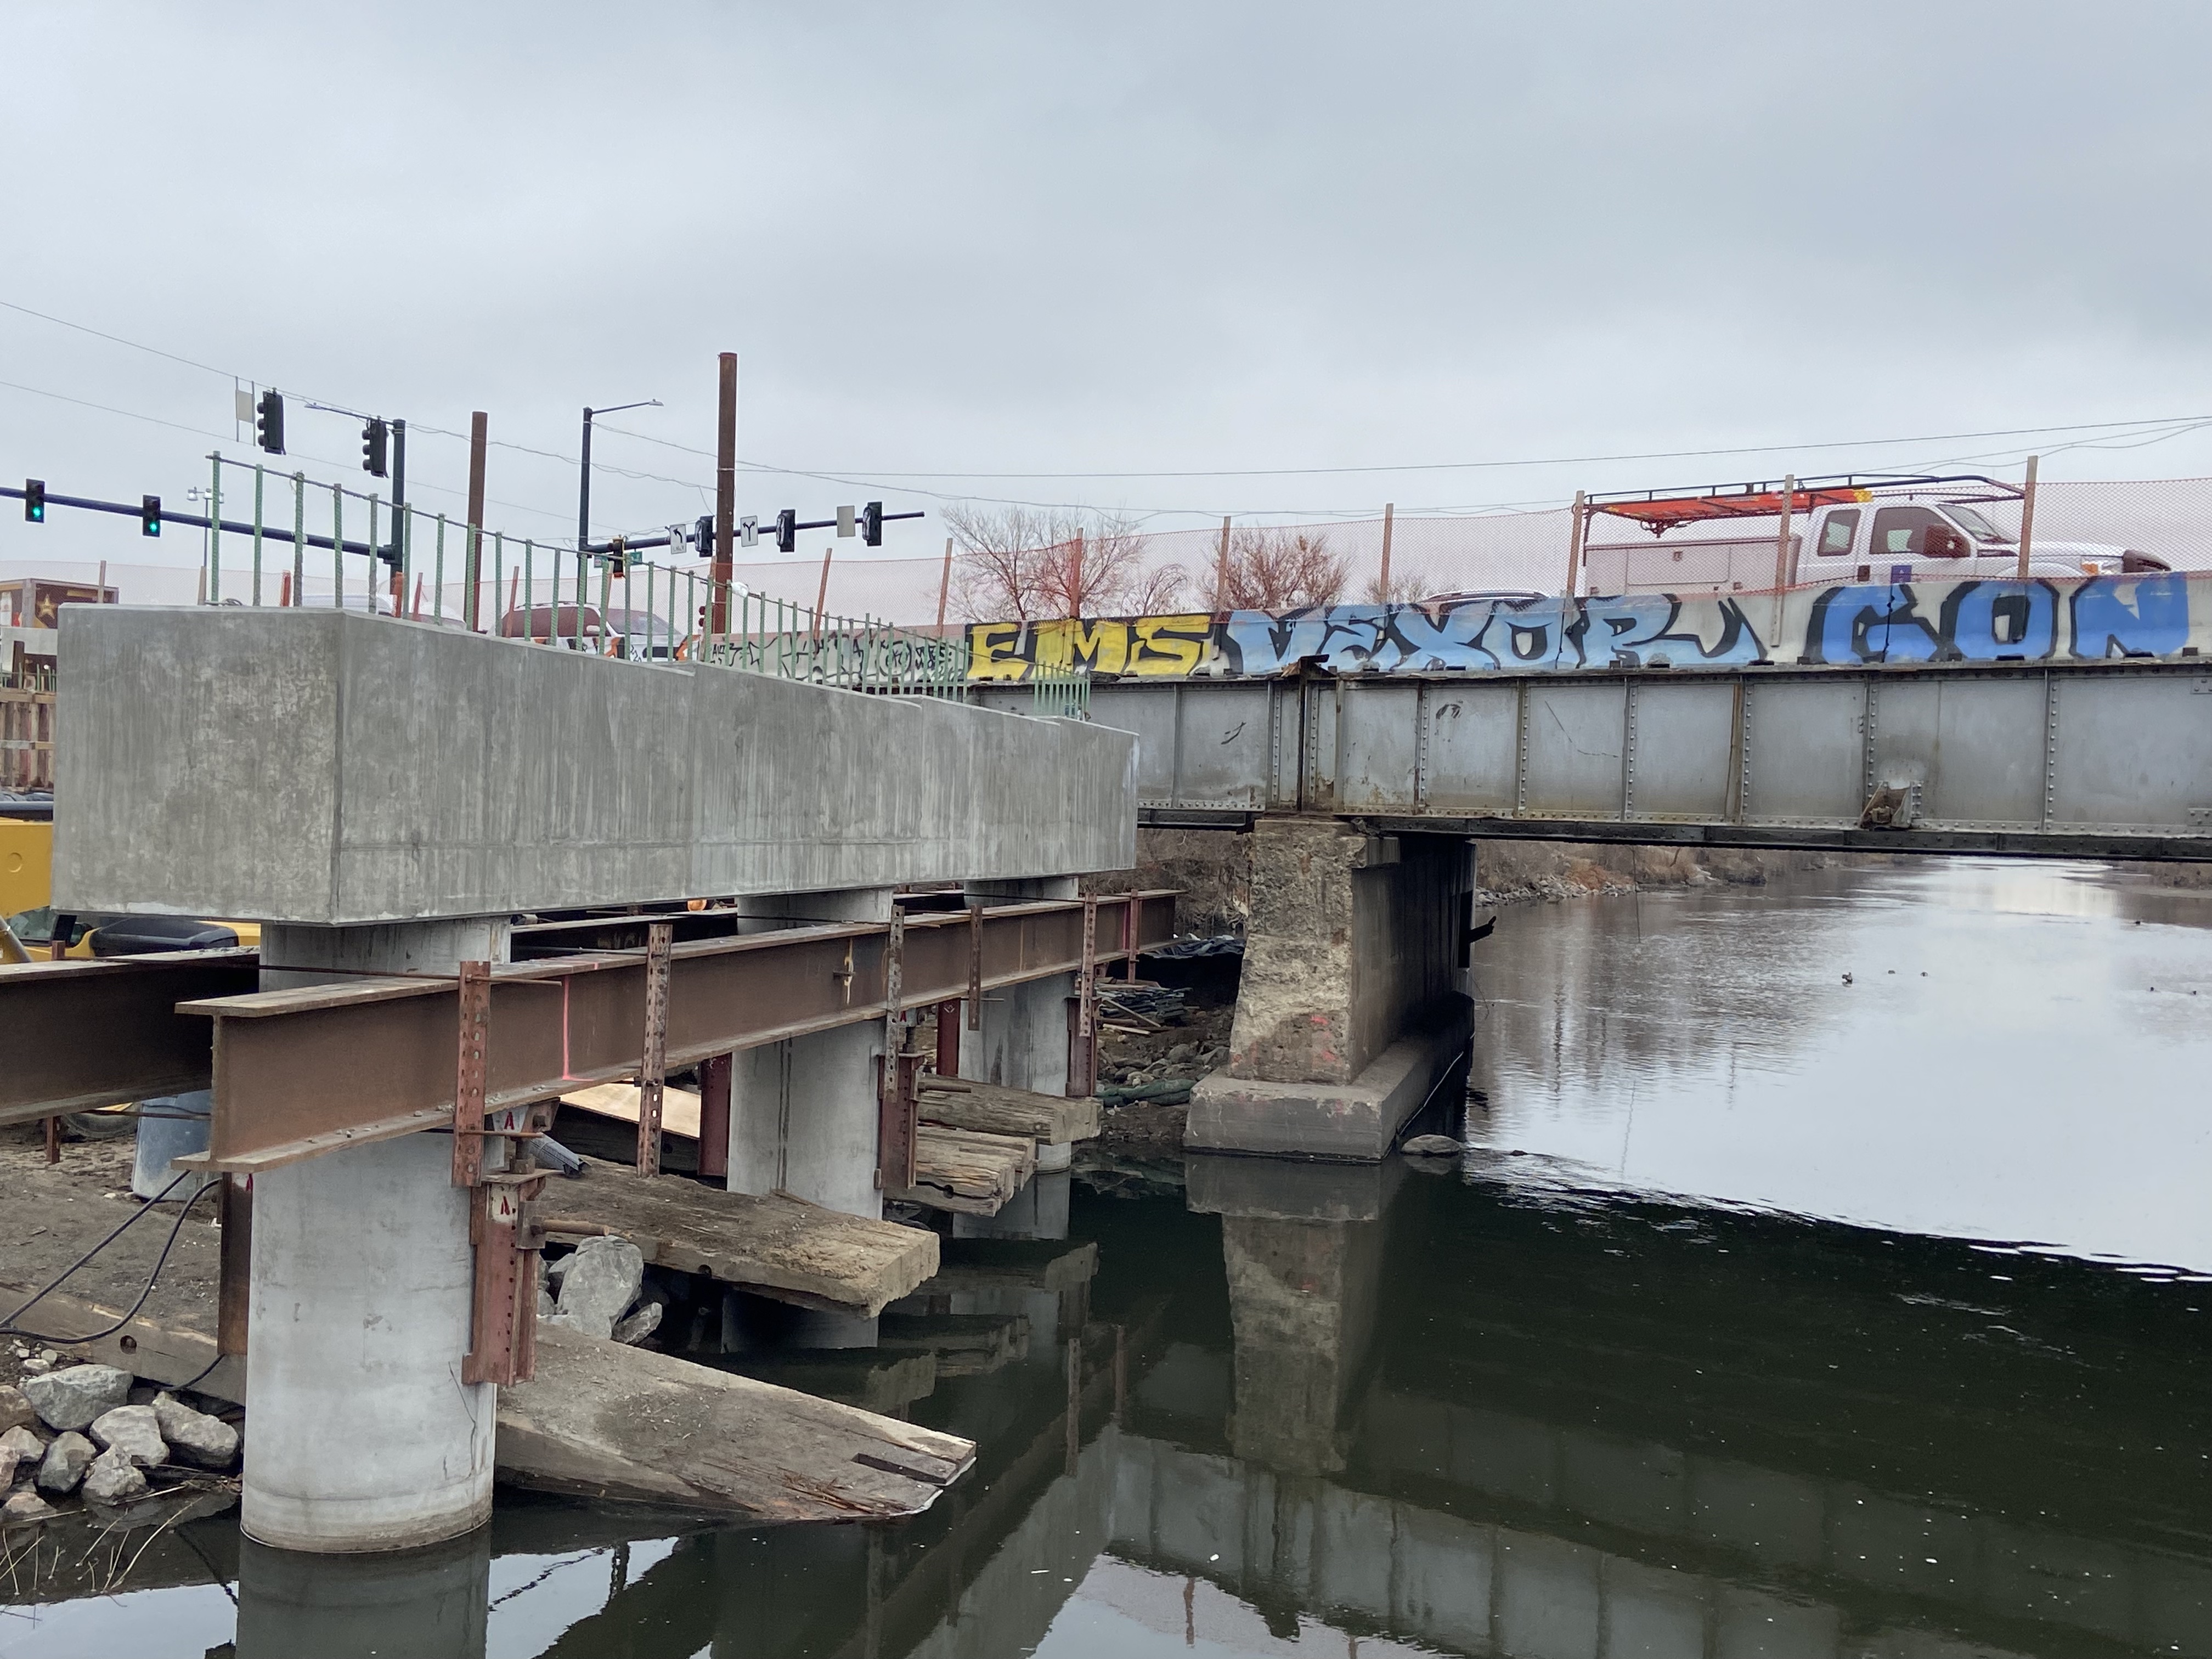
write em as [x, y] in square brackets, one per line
[323, 767]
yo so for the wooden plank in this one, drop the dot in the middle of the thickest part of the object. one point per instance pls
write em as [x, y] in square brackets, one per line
[779, 1247]
[604, 1421]
[963, 1170]
[679, 1107]
[166, 1352]
[996, 1109]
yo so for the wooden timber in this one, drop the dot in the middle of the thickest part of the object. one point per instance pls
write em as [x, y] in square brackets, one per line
[962, 1170]
[602, 1420]
[995, 1110]
[679, 1107]
[782, 1248]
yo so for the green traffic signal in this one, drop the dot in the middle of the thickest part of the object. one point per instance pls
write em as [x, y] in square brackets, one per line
[35, 500]
[149, 515]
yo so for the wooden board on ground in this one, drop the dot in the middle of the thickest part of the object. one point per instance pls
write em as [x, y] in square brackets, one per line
[962, 1170]
[679, 1107]
[996, 1109]
[167, 1352]
[778, 1246]
[605, 1421]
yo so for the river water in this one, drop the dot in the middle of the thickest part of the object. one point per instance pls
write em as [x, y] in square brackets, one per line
[1828, 1280]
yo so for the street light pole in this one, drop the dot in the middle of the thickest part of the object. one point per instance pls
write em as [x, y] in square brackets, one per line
[584, 483]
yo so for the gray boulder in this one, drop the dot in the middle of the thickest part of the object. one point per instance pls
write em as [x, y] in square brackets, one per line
[636, 1327]
[65, 1462]
[24, 1507]
[207, 1441]
[133, 1433]
[16, 1410]
[9, 1459]
[1432, 1146]
[27, 1444]
[71, 1397]
[112, 1479]
[601, 1282]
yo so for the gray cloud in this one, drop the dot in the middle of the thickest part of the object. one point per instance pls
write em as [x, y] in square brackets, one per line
[1009, 239]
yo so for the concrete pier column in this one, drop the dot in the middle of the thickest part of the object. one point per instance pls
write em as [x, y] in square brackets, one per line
[1351, 1005]
[802, 1113]
[364, 1437]
[1023, 1044]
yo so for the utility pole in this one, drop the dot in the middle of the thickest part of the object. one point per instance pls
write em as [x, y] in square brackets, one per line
[2028, 516]
[1575, 546]
[1390, 512]
[1221, 572]
[478, 441]
[944, 586]
[724, 571]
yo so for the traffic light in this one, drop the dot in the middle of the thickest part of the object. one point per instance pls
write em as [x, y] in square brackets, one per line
[702, 535]
[35, 500]
[871, 524]
[375, 447]
[268, 422]
[618, 556]
[786, 531]
[149, 515]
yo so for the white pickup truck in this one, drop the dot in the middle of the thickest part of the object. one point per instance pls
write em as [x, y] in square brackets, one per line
[1923, 531]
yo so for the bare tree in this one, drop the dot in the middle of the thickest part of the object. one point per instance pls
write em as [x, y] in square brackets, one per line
[1025, 564]
[1280, 569]
[1403, 587]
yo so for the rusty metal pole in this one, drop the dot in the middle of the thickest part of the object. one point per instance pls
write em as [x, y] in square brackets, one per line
[723, 571]
[1782, 549]
[822, 595]
[1383, 585]
[948, 1038]
[2027, 515]
[660, 938]
[1575, 546]
[479, 441]
[714, 1117]
[235, 1282]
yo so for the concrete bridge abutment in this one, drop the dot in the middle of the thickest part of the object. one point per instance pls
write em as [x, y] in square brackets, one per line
[1353, 1009]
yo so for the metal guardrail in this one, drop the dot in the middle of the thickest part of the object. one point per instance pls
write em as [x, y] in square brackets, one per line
[406, 562]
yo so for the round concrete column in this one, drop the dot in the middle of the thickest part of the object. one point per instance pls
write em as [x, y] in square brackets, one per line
[359, 1432]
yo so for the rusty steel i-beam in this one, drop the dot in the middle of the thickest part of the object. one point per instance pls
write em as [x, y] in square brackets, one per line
[302, 1071]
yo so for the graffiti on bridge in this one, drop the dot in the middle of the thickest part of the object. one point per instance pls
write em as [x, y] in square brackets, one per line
[2090, 618]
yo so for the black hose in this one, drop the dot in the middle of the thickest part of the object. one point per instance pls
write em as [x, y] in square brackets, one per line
[9, 1326]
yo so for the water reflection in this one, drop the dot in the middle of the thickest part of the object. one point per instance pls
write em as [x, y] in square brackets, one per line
[1302, 1408]
[1992, 1051]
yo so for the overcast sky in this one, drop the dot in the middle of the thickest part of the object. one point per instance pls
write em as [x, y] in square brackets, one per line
[1136, 238]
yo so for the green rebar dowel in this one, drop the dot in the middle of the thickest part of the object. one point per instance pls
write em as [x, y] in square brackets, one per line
[337, 547]
[215, 533]
[530, 590]
[402, 521]
[438, 573]
[498, 583]
[256, 533]
[299, 538]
